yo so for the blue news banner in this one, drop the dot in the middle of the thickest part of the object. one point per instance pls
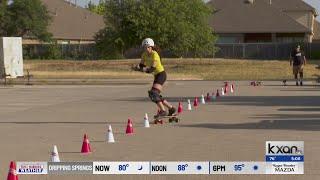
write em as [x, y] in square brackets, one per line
[281, 157]
[154, 168]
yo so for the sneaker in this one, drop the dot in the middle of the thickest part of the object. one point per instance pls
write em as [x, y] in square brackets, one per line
[284, 82]
[161, 114]
[297, 84]
[172, 111]
[301, 84]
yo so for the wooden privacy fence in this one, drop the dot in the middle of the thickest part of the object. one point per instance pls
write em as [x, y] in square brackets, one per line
[265, 50]
[228, 51]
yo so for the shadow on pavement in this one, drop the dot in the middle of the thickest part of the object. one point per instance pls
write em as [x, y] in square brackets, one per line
[39, 122]
[270, 100]
[289, 116]
[248, 100]
[301, 90]
[69, 152]
[301, 125]
[300, 109]
[292, 84]
[303, 122]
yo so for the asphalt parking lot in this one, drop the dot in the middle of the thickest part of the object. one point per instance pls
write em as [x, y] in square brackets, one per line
[232, 128]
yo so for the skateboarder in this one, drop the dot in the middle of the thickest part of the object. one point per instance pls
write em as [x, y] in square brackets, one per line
[298, 60]
[151, 63]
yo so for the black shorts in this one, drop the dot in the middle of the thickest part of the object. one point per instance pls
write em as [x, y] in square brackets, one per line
[160, 78]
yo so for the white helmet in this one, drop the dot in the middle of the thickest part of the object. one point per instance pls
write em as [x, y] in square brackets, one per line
[147, 42]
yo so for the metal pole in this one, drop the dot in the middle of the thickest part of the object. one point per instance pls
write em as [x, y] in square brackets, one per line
[243, 51]
[5, 76]
[28, 77]
[276, 51]
[310, 50]
[233, 56]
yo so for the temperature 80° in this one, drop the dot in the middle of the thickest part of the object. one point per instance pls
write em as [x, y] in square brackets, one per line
[123, 167]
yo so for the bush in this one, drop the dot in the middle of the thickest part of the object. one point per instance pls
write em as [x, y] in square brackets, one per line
[315, 55]
[60, 51]
[53, 52]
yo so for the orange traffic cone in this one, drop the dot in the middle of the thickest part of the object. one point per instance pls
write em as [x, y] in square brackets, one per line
[12, 174]
[208, 98]
[180, 108]
[195, 102]
[129, 129]
[86, 148]
[226, 87]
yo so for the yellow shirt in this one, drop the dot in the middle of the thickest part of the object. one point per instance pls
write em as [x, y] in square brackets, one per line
[153, 60]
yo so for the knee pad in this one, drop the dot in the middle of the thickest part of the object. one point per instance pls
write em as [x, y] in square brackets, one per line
[162, 99]
[155, 96]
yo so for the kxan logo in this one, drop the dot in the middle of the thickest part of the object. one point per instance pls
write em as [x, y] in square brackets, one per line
[284, 148]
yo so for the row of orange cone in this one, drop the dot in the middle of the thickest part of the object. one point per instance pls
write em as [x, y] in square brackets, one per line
[129, 130]
[86, 148]
[208, 98]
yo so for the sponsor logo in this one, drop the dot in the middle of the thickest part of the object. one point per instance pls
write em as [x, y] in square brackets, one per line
[284, 148]
[32, 168]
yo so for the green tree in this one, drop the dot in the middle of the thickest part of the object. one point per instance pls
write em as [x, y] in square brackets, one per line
[25, 18]
[98, 9]
[91, 6]
[3, 17]
[180, 26]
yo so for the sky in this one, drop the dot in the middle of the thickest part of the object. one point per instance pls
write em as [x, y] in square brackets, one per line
[314, 3]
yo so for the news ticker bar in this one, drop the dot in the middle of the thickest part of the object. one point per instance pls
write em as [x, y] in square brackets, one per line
[165, 167]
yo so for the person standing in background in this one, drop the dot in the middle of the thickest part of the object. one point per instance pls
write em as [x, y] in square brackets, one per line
[298, 61]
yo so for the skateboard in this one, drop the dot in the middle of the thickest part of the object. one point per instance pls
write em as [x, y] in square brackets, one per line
[256, 83]
[171, 119]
